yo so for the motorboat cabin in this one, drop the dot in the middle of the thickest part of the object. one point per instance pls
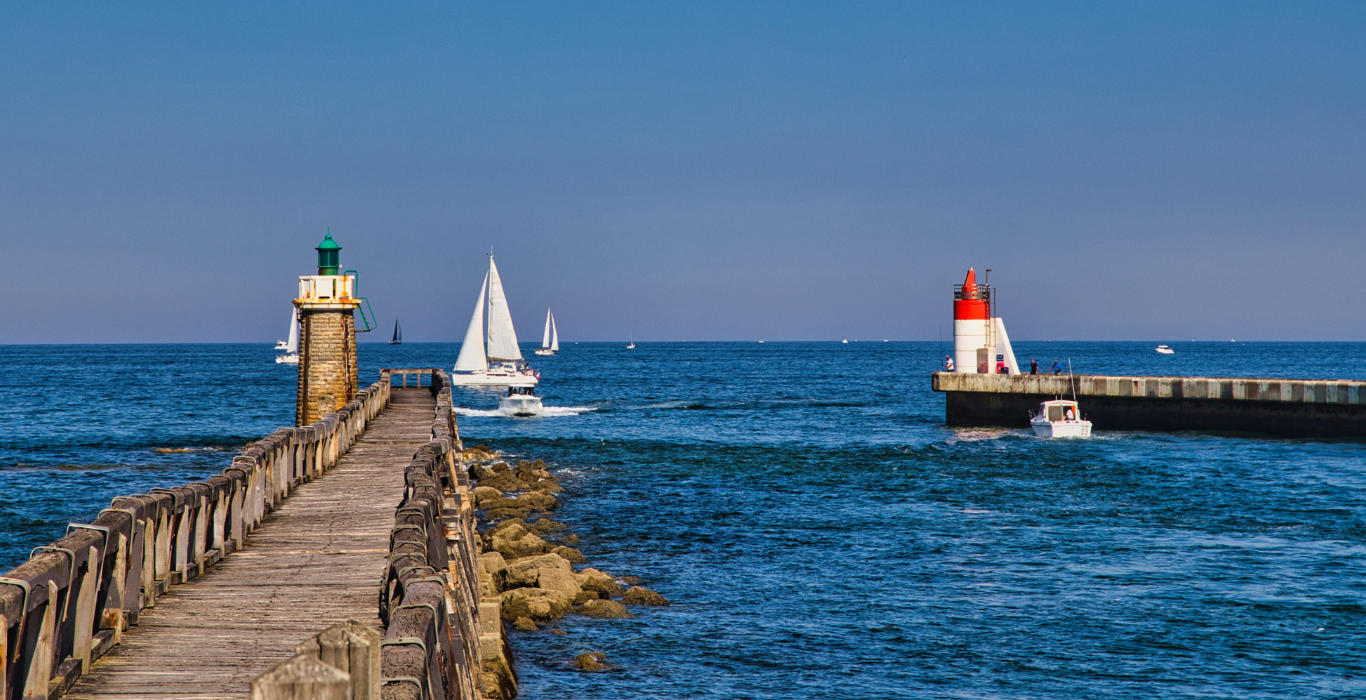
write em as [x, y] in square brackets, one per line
[1059, 418]
[521, 401]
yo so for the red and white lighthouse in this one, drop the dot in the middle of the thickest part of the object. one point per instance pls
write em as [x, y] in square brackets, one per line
[980, 344]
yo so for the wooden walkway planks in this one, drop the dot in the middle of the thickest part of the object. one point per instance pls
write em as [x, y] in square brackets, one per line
[316, 561]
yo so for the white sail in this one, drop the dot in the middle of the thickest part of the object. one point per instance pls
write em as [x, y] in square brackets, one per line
[545, 337]
[554, 336]
[292, 346]
[502, 336]
[1003, 347]
[471, 357]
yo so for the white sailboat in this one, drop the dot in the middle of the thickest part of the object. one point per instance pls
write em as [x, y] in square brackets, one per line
[291, 346]
[550, 339]
[632, 346]
[490, 357]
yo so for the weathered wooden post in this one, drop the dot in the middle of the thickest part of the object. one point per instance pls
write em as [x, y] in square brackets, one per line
[328, 376]
[339, 663]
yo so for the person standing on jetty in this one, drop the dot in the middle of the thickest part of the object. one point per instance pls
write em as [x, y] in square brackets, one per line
[948, 363]
[1057, 366]
[1033, 366]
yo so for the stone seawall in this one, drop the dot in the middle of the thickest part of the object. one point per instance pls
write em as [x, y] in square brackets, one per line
[1288, 407]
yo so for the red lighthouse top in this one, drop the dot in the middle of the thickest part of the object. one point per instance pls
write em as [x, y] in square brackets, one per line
[971, 302]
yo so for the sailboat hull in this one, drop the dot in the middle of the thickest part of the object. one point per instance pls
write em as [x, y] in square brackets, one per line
[492, 379]
[545, 351]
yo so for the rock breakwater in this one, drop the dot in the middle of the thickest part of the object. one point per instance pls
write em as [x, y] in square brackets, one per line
[528, 560]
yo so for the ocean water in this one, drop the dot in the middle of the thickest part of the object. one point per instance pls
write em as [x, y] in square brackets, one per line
[817, 528]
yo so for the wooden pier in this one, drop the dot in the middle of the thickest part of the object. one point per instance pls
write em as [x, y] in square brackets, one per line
[221, 589]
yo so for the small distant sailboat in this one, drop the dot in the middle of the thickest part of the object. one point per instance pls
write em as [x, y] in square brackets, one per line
[632, 346]
[490, 357]
[550, 339]
[291, 346]
[398, 334]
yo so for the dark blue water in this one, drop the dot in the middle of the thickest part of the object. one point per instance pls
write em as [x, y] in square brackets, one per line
[818, 529]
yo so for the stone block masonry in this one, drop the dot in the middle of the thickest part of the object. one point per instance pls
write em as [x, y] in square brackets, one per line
[328, 374]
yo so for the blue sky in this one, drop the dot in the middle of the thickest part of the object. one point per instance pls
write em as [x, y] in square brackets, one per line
[699, 171]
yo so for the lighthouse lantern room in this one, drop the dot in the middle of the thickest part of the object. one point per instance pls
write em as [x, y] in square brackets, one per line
[980, 343]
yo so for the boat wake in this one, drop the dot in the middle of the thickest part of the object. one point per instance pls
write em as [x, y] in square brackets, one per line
[546, 412]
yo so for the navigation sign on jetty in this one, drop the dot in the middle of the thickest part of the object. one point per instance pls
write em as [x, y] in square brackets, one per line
[335, 559]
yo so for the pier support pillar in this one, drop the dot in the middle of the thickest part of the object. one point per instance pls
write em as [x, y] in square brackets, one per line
[328, 375]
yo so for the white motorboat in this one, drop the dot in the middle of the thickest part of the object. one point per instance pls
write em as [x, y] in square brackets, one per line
[291, 346]
[491, 357]
[550, 339]
[1164, 350]
[521, 402]
[1058, 419]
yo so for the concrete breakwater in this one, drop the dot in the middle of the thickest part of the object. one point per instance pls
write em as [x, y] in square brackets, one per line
[1288, 407]
[527, 567]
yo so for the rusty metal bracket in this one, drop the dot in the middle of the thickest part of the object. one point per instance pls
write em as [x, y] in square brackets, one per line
[23, 613]
[70, 555]
[83, 526]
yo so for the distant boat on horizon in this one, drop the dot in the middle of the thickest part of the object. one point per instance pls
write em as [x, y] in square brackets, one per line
[632, 346]
[291, 346]
[550, 339]
[398, 334]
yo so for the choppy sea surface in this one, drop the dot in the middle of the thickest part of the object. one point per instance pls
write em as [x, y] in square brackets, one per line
[817, 528]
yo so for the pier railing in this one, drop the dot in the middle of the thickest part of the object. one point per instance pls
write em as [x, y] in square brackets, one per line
[403, 374]
[429, 598]
[71, 601]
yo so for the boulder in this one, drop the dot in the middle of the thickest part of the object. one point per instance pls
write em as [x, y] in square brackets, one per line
[501, 501]
[499, 467]
[478, 453]
[584, 597]
[539, 501]
[492, 563]
[503, 482]
[504, 527]
[574, 556]
[549, 572]
[598, 582]
[484, 494]
[546, 487]
[545, 525]
[528, 545]
[525, 624]
[501, 513]
[643, 596]
[571, 539]
[534, 603]
[592, 661]
[606, 609]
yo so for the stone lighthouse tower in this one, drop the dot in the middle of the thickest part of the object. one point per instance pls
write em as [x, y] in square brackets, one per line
[328, 377]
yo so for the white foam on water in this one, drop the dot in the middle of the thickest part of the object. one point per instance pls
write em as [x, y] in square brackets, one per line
[546, 412]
